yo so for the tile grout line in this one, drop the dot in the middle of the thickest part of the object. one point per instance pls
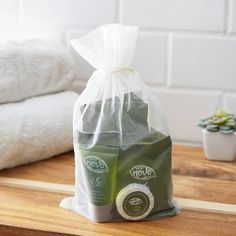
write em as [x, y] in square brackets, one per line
[19, 14]
[168, 68]
[227, 18]
[118, 11]
[184, 203]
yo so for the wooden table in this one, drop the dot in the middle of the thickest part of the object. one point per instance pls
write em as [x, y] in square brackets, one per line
[30, 194]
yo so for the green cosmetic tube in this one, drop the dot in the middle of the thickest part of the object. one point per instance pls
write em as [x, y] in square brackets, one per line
[100, 172]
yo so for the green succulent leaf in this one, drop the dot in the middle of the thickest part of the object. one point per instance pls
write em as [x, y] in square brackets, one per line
[225, 128]
[221, 120]
[227, 131]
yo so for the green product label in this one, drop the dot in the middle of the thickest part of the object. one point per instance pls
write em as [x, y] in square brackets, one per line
[150, 164]
[97, 177]
[136, 204]
[96, 164]
[99, 166]
[142, 172]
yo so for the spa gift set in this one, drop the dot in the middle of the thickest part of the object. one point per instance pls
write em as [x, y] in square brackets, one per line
[121, 139]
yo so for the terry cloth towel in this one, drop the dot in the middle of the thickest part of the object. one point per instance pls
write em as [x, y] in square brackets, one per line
[36, 129]
[33, 67]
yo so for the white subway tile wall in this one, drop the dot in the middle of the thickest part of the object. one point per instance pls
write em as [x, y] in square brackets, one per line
[186, 50]
[230, 102]
[232, 16]
[206, 15]
[67, 13]
[151, 53]
[183, 110]
[8, 13]
[204, 62]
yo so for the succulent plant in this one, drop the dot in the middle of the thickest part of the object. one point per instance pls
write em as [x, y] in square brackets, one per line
[222, 121]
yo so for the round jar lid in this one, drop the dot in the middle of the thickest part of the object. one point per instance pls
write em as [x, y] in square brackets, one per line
[134, 201]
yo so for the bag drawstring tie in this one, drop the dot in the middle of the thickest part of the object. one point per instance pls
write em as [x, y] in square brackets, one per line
[108, 73]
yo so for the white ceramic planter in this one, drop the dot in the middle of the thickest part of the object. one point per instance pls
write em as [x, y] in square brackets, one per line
[218, 146]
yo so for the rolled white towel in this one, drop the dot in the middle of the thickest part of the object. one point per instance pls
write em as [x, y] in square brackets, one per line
[32, 67]
[36, 129]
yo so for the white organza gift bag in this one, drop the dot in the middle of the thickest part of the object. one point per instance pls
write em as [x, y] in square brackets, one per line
[121, 140]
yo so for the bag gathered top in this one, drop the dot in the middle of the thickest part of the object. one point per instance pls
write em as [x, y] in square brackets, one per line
[121, 139]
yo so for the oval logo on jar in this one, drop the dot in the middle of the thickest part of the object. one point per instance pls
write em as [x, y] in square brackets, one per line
[135, 201]
[142, 172]
[95, 164]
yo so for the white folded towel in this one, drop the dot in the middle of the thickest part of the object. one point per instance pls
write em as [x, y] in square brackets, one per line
[36, 129]
[33, 67]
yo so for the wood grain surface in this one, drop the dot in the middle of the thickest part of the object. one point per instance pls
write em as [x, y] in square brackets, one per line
[205, 189]
[59, 169]
[190, 161]
[30, 194]
[38, 210]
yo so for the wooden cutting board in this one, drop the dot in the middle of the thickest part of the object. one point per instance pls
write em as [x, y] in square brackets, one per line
[30, 194]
